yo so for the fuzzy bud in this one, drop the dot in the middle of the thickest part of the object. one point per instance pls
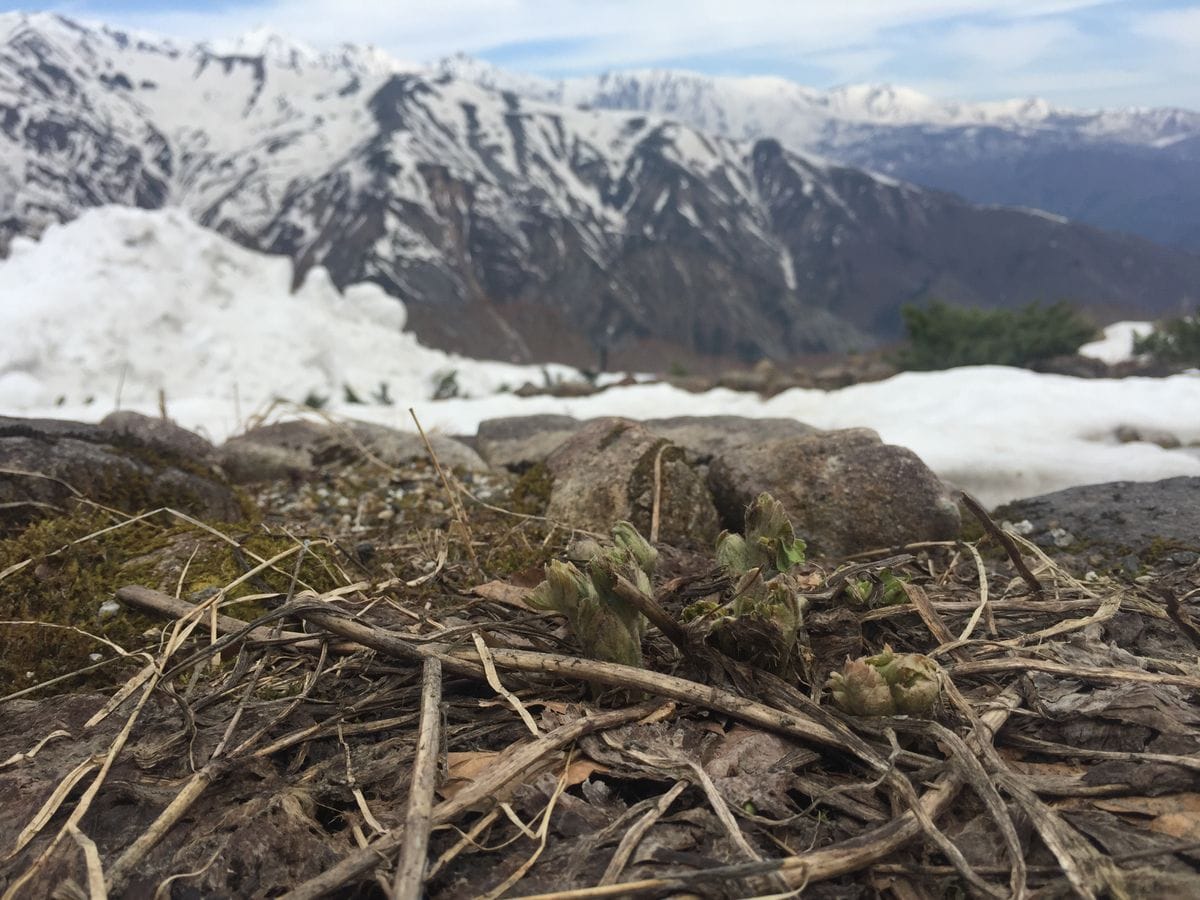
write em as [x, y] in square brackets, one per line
[860, 690]
[886, 684]
[627, 538]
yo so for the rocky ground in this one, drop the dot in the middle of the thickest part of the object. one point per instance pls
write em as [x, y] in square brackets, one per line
[214, 664]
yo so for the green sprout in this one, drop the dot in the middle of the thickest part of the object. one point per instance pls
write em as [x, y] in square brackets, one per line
[607, 626]
[887, 684]
[762, 623]
[890, 590]
[770, 544]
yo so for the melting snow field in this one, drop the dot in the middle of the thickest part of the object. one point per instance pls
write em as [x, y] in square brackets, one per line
[124, 303]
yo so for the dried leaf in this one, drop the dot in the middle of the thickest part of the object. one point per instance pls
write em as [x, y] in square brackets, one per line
[503, 592]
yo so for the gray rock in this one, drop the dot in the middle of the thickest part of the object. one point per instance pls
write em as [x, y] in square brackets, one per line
[518, 443]
[271, 452]
[396, 448]
[605, 473]
[59, 461]
[297, 448]
[52, 428]
[706, 437]
[161, 434]
[1128, 434]
[1120, 518]
[846, 491]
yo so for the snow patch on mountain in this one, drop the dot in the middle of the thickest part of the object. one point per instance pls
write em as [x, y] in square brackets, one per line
[807, 118]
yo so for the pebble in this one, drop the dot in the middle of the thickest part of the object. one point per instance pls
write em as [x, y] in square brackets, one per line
[1062, 537]
[1185, 557]
[1131, 564]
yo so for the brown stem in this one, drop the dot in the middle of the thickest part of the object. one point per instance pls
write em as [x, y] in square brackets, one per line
[1006, 542]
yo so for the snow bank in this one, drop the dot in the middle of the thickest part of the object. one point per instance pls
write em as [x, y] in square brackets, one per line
[1117, 344]
[136, 301]
[125, 303]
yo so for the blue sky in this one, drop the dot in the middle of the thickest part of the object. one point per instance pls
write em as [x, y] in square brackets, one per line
[1073, 52]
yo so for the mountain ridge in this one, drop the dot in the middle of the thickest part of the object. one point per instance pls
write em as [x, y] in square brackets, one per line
[515, 228]
[1127, 169]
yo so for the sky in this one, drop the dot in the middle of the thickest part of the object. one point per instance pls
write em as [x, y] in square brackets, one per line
[1078, 53]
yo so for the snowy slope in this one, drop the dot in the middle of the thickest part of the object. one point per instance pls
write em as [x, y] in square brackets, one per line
[130, 302]
[1125, 169]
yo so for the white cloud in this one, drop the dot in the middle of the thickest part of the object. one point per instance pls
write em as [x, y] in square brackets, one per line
[615, 32]
[979, 49]
[1180, 27]
[1012, 46]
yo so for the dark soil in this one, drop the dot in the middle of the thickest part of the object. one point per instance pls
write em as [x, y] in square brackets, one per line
[305, 754]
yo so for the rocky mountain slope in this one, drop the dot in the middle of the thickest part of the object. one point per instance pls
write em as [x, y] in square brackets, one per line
[1130, 170]
[516, 228]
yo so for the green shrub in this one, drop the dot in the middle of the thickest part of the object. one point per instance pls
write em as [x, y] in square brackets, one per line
[1173, 341]
[943, 336]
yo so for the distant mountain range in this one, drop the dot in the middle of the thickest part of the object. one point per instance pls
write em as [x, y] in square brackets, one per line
[514, 224]
[1131, 170]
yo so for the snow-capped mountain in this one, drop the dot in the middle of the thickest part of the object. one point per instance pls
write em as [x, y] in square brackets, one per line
[515, 227]
[1131, 170]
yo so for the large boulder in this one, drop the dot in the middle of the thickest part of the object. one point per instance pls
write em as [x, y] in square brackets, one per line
[299, 448]
[271, 452]
[47, 464]
[159, 434]
[845, 491]
[605, 473]
[1115, 520]
[707, 437]
[518, 443]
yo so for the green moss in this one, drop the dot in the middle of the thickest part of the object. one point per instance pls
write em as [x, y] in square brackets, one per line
[531, 494]
[1160, 548]
[66, 583]
[66, 587]
[517, 556]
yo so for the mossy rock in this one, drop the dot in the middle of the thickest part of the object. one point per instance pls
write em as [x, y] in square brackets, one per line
[605, 473]
[531, 494]
[69, 571]
[49, 464]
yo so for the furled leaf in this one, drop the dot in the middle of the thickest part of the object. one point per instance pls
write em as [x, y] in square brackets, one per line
[627, 537]
[860, 690]
[912, 683]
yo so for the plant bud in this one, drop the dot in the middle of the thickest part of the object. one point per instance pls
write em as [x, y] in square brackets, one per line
[769, 532]
[912, 683]
[915, 683]
[731, 553]
[562, 590]
[860, 690]
[627, 537]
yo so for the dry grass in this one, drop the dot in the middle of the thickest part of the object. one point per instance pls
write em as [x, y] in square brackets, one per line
[320, 729]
